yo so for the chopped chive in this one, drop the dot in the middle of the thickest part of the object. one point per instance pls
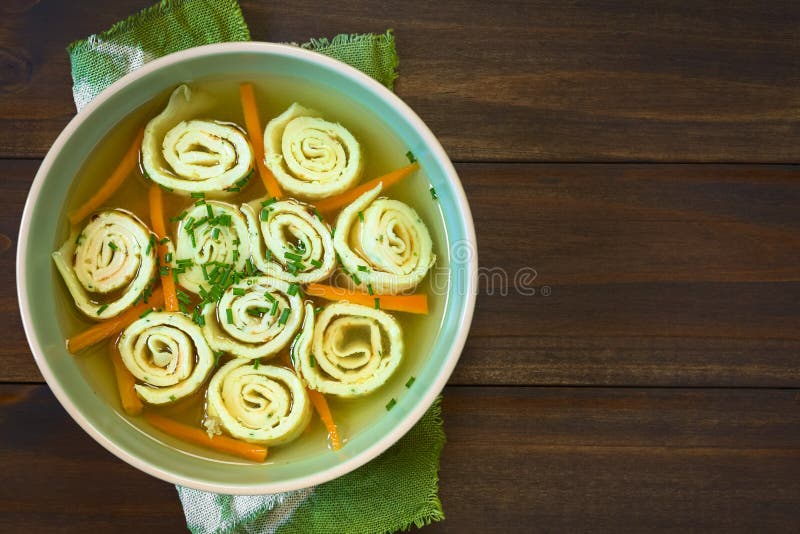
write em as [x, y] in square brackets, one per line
[168, 257]
[173, 398]
[361, 216]
[316, 263]
[256, 363]
[182, 308]
[377, 303]
[199, 222]
[318, 309]
[163, 241]
[284, 316]
[178, 217]
[214, 272]
[410, 381]
[235, 255]
[217, 355]
[229, 315]
[146, 313]
[291, 256]
[215, 234]
[200, 202]
[194, 242]
[163, 270]
[236, 242]
[264, 214]
[391, 404]
[363, 268]
[150, 244]
[227, 274]
[78, 239]
[165, 188]
[101, 309]
[312, 361]
[355, 278]
[411, 157]
[210, 211]
[112, 246]
[198, 195]
[317, 213]
[333, 231]
[205, 271]
[271, 200]
[434, 196]
[292, 291]
[238, 291]
[183, 297]
[269, 296]
[189, 225]
[274, 309]
[250, 268]
[187, 262]
[175, 274]
[369, 289]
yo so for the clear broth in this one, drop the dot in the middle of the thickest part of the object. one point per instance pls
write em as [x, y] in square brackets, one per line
[382, 152]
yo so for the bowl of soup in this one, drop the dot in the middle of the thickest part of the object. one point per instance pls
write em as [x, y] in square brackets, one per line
[246, 268]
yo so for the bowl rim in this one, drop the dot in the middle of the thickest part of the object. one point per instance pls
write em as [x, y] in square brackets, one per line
[422, 404]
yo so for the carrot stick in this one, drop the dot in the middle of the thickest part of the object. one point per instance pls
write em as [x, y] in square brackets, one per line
[123, 170]
[253, 125]
[228, 445]
[131, 402]
[100, 331]
[331, 204]
[157, 222]
[404, 303]
[321, 405]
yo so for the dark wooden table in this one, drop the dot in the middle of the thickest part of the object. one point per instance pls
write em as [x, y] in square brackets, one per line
[640, 156]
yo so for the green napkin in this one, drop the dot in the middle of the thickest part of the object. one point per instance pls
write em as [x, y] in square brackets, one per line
[173, 25]
[396, 490]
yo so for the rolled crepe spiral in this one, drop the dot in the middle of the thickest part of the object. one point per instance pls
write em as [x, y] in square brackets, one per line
[383, 243]
[289, 242]
[349, 350]
[310, 157]
[265, 404]
[167, 352]
[223, 238]
[258, 325]
[190, 155]
[108, 264]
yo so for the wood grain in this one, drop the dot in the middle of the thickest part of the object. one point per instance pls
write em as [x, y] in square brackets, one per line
[657, 275]
[501, 81]
[561, 459]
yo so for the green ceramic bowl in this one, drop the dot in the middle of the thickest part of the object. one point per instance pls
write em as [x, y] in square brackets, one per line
[37, 285]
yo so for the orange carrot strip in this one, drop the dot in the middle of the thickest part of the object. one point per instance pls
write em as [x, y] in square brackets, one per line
[248, 451]
[100, 331]
[253, 125]
[123, 170]
[404, 303]
[331, 204]
[321, 405]
[157, 222]
[131, 402]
